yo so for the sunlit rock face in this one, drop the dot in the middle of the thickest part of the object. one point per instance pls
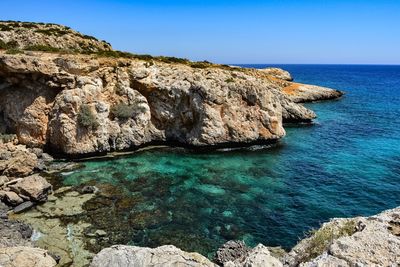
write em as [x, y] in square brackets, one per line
[78, 96]
[128, 103]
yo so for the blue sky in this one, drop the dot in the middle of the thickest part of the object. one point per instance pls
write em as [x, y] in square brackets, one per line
[270, 31]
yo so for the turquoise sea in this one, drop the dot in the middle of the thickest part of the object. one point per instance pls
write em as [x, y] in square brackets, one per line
[346, 164]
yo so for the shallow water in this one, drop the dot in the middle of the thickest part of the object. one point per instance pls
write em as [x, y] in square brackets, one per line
[346, 164]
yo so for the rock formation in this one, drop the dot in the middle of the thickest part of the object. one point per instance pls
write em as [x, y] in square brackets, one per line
[301, 93]
[71, 93]
[360, 241]
[166, 256]
[82, 97]
[25, 257]
[278, 73]
[80, 104]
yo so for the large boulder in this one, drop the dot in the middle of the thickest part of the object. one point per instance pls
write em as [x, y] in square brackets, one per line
[16, 161]
[164, 256]
[25, 257]
[35, 187]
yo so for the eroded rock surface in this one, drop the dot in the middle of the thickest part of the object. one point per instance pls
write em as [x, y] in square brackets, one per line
[25, 257]
[259, 256]
[361, 241]
[125, 103]
[230, 251]
[301, 93]
[278, 73]
[165, 256]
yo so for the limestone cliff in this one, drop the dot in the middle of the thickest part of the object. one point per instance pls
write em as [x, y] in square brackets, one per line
[103, 101]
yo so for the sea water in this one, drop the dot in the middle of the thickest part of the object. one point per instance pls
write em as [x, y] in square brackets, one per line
[346, 164]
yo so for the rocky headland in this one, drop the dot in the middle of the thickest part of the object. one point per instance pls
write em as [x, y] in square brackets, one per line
[66, 94]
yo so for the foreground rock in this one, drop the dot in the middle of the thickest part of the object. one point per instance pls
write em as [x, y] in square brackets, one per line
[166, 256]
[361, 241]
[17, 189]
[13, 233]
[16, 160]
[25, 257]
[230, 251]
[259, 256]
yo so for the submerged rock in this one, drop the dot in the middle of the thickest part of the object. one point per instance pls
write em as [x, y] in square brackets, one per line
[57, 229]
[166, 256]
[23, 207]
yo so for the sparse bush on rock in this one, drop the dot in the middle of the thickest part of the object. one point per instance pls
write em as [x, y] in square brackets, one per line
[123, 111]
[86, 118]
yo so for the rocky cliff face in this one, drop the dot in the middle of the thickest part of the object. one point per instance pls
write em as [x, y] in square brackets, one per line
[78, 104]
[81, 104]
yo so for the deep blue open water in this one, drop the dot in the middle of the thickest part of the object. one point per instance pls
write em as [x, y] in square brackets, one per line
[346, 164]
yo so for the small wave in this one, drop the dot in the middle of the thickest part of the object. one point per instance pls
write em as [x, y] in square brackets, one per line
[67, 173]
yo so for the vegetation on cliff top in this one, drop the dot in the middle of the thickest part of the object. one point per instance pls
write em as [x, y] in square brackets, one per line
[51, 29]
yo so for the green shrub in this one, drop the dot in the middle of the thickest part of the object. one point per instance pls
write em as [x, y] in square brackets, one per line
[321, 239]
[86, 118]
[89, 37]
[14, 51]
[5, 28]
[5, 138]
[123, 111]
[53, 31]
[42, 48]
[173, 60]
[8, 45]
[200, 65]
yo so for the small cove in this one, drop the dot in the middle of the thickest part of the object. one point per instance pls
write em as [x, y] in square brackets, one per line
[346, 164]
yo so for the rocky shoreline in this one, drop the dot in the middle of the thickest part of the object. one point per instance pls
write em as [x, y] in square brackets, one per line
[69, 94]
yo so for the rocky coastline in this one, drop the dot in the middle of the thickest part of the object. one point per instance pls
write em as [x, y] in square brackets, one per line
[64, 93]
